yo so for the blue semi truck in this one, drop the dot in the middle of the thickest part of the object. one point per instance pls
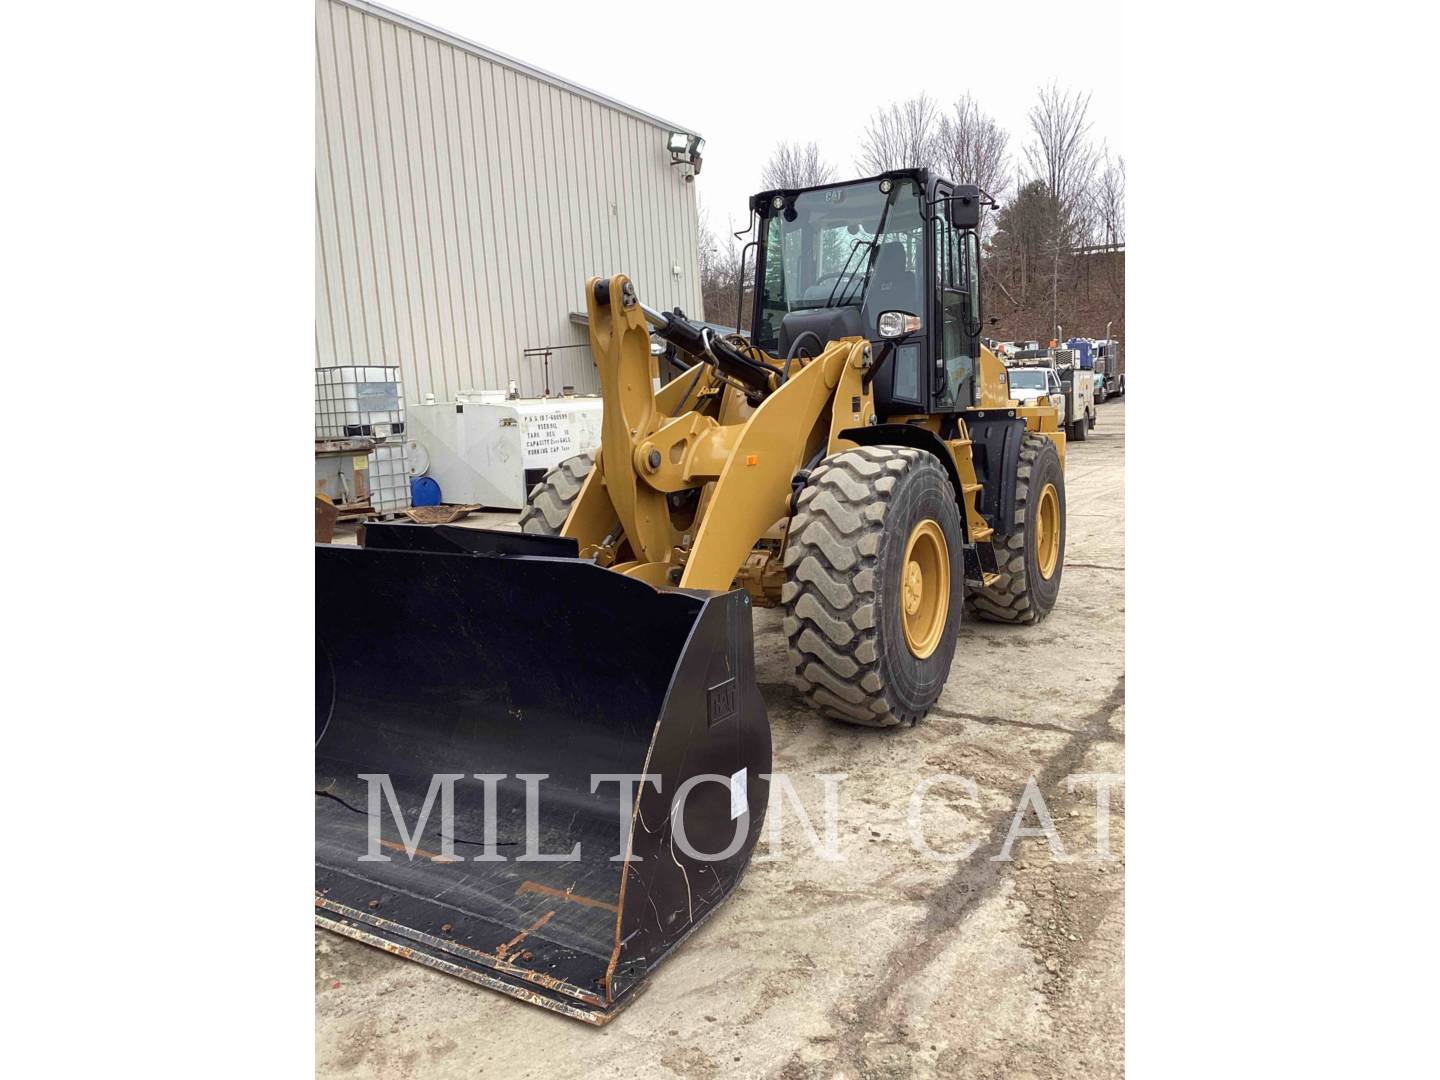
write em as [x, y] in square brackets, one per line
[1102, 357]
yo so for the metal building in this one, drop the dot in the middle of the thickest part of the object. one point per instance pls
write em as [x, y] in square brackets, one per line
[463, 197]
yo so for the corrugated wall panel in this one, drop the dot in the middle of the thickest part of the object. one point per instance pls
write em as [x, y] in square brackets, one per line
[462, 201]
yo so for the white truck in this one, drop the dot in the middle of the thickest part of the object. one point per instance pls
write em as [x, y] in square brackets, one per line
[1069, 387]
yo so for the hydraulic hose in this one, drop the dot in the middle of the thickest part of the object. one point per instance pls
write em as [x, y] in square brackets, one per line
[794, 350]
[701, 341]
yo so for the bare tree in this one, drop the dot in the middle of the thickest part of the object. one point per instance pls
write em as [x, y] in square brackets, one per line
[1061, 153]
[900, 137]
[970, 148]
[795, 165]
[1109, 199]
[720, 270]
[1069, 195]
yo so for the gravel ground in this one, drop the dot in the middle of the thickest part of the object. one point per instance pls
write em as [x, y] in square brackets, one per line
[888, 963]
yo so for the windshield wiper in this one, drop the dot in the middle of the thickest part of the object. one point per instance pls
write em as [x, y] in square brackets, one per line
[874, 244]
[845, 270]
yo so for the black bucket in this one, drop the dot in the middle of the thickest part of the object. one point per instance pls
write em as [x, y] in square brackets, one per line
[444, 651]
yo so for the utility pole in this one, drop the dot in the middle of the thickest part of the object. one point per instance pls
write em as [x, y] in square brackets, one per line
[1055, 289]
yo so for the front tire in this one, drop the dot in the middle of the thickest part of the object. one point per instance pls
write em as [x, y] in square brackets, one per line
[549, 502]
[874, 584]
[1031, 558]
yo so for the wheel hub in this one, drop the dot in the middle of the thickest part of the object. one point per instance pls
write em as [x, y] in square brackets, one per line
[925, 588]
[914, 587]
[1047, 532]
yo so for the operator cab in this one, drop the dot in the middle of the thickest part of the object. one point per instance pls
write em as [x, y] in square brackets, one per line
[893, 259]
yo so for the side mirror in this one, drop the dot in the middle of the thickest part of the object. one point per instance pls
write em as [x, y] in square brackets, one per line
[963, 207]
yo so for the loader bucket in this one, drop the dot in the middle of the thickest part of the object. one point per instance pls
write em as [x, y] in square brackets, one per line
[445, 652]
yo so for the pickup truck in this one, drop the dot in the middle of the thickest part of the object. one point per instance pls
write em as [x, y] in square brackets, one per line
[1072, 390]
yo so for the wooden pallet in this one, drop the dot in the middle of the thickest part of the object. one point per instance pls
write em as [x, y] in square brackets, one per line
[357, 512]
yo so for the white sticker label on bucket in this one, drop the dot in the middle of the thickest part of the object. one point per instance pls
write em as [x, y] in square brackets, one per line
[739, 801]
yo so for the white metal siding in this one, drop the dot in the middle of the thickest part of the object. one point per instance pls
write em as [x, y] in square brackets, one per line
[462, 201]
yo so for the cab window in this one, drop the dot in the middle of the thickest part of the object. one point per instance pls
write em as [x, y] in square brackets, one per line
[955, 278]
[849, 245]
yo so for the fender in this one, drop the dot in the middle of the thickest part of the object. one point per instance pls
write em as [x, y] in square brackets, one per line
[920, 438]
[995, 438]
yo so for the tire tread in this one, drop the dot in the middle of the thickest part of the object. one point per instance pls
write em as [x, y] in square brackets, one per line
[830, 596]
[549, 502]
[1009, 600]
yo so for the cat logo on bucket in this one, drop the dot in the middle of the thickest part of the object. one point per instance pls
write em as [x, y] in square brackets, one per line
[721, 701]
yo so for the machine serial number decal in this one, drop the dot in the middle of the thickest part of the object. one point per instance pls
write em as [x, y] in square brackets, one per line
[739, 799]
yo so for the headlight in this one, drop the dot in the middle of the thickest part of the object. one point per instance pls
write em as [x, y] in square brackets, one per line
[893, 324]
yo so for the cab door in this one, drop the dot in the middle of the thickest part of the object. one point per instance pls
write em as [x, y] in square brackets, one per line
[957, 311]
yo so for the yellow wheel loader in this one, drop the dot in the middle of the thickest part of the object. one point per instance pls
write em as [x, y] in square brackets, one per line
[542, 757]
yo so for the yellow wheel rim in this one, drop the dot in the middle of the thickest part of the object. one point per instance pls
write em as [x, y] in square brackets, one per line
[925, 588]
[1047, 532]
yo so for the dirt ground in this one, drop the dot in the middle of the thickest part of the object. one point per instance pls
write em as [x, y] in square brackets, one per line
[885, 964]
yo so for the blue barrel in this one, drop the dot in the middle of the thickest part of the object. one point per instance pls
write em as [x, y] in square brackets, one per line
[424, 491]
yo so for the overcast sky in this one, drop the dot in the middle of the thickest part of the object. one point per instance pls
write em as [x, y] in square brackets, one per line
[745, 75]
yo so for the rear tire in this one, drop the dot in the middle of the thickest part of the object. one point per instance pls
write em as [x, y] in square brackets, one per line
[1024, 594]
[1079, 430]
[549, 502]
[853, 603]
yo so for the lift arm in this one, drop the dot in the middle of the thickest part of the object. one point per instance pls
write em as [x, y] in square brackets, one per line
[653, 446]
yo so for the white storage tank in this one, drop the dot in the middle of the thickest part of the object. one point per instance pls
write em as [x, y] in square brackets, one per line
[487, 449]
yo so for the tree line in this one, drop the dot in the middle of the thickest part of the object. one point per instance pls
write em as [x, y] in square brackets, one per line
[1053, 251]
